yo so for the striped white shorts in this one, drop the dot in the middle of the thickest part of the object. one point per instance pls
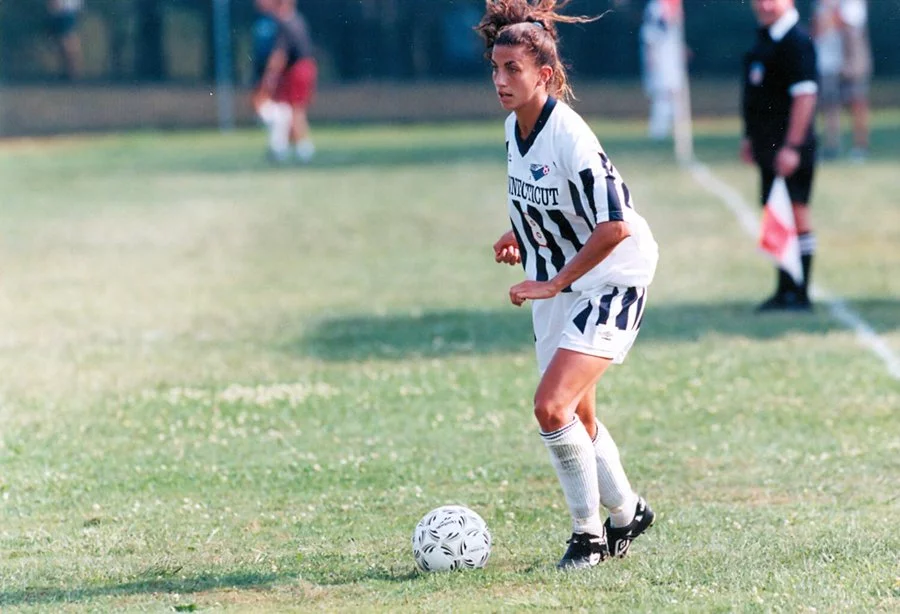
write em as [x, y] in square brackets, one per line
[603, 324]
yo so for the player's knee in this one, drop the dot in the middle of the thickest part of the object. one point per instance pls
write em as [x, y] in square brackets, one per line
[551, 413]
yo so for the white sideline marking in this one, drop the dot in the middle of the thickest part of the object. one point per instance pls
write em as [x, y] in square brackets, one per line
[839, 309]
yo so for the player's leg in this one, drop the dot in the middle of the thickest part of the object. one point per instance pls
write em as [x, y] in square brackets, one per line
[303, 145]
[615, 491]
[830, 105]
[586, 410]
[859, 110]
[304, 74]
[800, 189]
[277, 116]
[71, 52]
[616, 322]
[566, 379]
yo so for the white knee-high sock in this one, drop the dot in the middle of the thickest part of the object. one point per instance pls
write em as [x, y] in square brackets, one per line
[616, 493]
[279, 123]
[572, 455]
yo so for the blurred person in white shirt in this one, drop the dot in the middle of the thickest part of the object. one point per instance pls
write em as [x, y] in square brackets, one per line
[856, 71]
[828, 39]
[663, 74]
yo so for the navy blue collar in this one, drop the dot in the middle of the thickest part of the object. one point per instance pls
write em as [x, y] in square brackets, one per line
[525, 145]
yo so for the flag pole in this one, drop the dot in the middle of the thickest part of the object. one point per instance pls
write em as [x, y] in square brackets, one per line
[683, 131]
[223, 63]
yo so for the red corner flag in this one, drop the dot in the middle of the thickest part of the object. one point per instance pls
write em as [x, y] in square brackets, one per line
[672, 10]
[778, 235]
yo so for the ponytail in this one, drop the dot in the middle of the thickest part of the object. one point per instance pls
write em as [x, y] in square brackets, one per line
[531, 23]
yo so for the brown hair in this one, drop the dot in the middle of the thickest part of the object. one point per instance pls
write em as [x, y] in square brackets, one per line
[531, 23]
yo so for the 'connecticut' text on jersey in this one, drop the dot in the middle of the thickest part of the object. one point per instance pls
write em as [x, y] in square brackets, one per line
[561, 186]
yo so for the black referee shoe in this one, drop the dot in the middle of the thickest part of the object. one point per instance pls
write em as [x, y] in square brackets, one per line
[585, 551]
[620, 538]
[786, 301]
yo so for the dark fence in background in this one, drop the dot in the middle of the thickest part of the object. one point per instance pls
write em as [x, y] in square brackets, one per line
[170, 41]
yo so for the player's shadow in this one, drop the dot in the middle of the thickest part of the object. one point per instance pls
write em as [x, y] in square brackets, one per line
[322, 569]
[454, 332]
[338, 569]
[43, 595]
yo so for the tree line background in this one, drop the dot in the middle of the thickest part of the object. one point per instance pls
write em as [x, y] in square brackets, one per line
[172, 40]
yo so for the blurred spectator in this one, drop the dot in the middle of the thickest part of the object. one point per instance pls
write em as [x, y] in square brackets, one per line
[288, 83]
[828, 38]
[856, 71]
[462, 50]
[840, 29]
[64, 26]
[663, 75]
[264, 32]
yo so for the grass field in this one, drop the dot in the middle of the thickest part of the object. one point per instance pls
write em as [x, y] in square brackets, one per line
[234, 387]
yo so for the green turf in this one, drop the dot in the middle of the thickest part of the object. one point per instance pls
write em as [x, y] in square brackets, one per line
[228, 386]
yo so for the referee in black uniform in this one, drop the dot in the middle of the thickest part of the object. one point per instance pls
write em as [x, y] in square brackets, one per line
[779, 104]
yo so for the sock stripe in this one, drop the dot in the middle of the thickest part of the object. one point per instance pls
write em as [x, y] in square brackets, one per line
[807, 242]
[559, 433]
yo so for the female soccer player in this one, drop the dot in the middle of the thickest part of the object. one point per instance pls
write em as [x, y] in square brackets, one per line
[588, 258]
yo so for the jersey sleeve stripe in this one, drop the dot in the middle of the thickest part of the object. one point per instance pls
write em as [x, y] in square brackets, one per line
[627, 193]
[804, 87]
[587, 184]
[613, 203]
[579, 207]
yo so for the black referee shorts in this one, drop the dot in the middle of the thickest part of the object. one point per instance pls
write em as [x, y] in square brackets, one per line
[799, 184]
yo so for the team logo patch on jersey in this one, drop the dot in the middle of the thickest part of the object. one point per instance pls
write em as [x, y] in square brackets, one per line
[539, 171]
[757, 73]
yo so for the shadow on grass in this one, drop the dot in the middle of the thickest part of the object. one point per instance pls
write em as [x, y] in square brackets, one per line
[324, 570]
[443, 333]
[337, 569]
[44, 595]
[885, 145]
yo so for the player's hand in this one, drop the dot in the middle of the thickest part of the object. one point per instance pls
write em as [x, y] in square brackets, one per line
[525, 290]
[506, 249]
[746, 151]
[787, 161]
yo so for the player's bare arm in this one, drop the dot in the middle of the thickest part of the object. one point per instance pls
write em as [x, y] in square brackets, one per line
[803, 109]
[746, 151]
[602, 242]
[506, 249]
[269, 82]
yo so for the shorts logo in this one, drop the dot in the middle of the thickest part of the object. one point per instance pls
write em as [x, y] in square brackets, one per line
[605, 335]
[757, 73]
[539, 171]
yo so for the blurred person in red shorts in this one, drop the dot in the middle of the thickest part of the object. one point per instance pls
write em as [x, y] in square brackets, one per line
[288, 84]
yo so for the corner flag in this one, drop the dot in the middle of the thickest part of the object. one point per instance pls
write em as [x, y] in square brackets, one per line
[673, 10]
[778, 234]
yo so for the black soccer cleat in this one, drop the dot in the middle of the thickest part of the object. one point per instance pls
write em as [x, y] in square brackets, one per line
[584, 551]
[620, 538]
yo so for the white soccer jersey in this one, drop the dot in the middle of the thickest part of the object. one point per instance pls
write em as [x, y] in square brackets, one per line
[561, 186]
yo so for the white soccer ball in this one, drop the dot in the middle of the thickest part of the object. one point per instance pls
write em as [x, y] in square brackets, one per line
[451, 537]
